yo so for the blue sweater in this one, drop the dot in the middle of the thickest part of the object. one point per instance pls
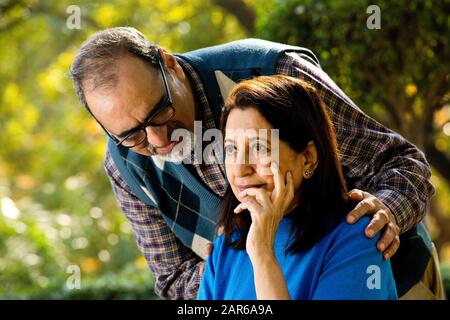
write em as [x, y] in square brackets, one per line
[344, 264]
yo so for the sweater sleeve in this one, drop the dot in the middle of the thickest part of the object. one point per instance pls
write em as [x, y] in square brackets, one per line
[354, 269]
[175, 267]
[374, 158]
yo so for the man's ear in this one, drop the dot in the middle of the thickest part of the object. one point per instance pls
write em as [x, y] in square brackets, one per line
[310, 153]
[171, 63]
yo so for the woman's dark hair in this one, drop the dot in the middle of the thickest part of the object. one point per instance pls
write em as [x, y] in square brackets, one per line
[293, 107]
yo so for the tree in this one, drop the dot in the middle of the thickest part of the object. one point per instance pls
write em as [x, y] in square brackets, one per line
[399, 74]
[56, 205]
[243, 12]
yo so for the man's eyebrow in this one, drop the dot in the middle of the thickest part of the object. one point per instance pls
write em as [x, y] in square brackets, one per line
[124, 133]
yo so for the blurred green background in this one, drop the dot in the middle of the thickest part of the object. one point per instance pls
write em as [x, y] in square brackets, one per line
[57, 211]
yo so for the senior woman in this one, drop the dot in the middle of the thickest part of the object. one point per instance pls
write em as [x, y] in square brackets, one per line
[283, 219]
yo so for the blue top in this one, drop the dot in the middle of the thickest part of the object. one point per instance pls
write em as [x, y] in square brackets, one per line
[344, 264]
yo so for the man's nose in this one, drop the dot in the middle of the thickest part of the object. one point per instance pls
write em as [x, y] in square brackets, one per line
[157, 136]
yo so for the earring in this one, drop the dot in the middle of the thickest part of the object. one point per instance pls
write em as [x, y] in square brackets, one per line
[308, 173]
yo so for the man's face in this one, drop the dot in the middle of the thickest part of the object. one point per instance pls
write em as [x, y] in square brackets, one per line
[128, 104]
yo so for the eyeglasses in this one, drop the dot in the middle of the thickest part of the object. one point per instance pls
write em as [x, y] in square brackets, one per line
[160, 115]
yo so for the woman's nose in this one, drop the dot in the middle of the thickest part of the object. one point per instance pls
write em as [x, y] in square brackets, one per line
[242, 169]
[157, 136]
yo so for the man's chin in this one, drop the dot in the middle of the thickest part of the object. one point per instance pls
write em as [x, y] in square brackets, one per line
[178, 153]
[173, 157]
[175, 152]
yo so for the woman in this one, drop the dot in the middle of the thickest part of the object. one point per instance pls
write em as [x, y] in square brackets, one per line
[283, 221]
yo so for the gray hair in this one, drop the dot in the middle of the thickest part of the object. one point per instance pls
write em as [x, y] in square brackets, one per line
[96, 56]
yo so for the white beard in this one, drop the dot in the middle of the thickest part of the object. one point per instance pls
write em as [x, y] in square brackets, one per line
[180, 151]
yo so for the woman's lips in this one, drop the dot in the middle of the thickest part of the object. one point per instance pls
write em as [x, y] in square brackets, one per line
[246, 186]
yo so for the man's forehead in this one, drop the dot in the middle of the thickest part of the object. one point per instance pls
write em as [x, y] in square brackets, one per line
[120, 108]
[132, 76]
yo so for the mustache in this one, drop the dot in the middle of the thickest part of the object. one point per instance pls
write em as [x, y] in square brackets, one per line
[171, 127]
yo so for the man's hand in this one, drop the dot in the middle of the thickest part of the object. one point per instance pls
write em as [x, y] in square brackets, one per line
[208, 249]
[382, 218]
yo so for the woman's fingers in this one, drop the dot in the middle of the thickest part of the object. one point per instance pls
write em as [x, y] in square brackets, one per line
[239, 208]
[280, 198]
[253, 207]
[278, 180]
[260, 195]
[289, 190]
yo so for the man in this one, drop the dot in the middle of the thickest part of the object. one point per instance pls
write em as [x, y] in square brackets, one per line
[140, 94]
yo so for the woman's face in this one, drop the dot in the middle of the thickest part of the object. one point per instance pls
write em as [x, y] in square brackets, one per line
[248, 154]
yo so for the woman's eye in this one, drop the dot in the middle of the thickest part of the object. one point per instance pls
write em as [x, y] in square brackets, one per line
[230, 149]
[260, 148]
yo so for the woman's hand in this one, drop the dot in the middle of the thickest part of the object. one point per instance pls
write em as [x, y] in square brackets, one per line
[266, 212]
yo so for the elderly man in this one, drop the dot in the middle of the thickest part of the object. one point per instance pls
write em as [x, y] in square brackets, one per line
[140, 94]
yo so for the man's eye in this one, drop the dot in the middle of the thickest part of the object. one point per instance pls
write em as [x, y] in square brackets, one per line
[136, 136]
[230, 149]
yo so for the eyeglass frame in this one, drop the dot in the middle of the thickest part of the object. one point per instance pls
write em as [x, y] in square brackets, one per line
[168, 102]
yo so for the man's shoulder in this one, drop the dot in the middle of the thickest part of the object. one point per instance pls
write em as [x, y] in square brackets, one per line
[108, 164]
[242, 52]
[114, 175]
[249, 44]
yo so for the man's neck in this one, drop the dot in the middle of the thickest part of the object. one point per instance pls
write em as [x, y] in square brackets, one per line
[194, 102]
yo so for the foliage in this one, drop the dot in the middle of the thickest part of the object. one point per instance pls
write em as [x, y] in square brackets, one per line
[127, 284]
[446, 278]
[398, 73]
[57, 208]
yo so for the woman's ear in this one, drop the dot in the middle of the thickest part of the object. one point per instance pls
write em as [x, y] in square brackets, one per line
[171, 63]
[310, 154]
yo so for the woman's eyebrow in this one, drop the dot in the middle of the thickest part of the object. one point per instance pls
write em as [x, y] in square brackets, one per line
[250, 140]
[257, 139]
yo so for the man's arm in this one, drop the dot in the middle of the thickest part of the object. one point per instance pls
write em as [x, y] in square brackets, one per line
[174, 267]
[375, 159]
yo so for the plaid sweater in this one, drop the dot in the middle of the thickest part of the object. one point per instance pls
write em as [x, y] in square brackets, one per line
[374, 159]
